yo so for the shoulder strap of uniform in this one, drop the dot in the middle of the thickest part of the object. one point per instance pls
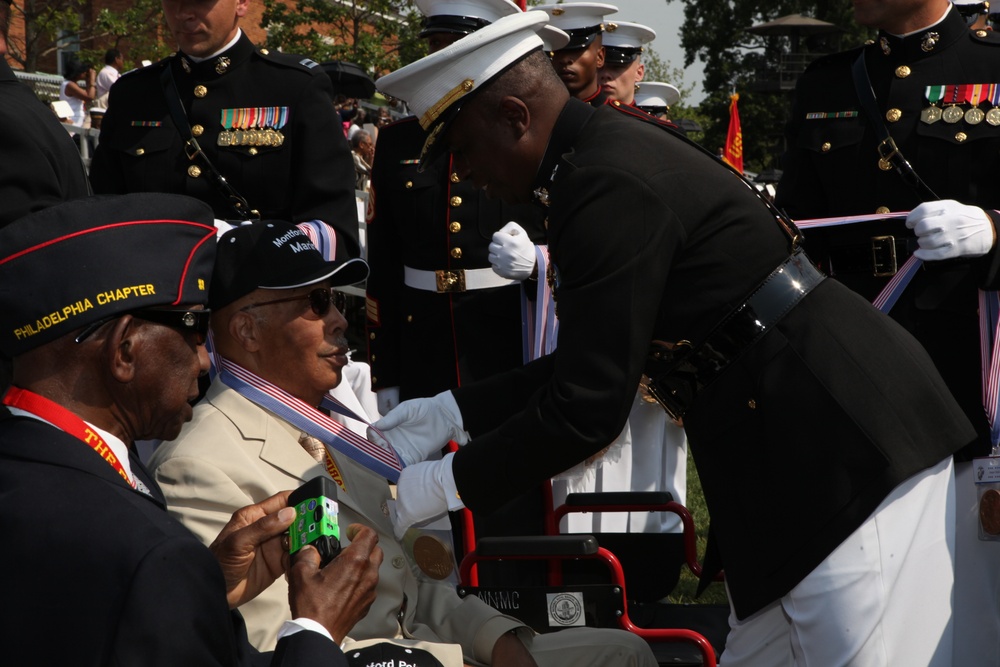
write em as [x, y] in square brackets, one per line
[193, 149]
[889, 153]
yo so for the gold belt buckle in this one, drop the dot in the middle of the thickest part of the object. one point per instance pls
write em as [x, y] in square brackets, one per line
[884, 256]
[450, 281]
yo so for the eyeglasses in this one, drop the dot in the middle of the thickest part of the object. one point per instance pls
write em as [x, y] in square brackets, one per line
[187, 321]
[319, 301]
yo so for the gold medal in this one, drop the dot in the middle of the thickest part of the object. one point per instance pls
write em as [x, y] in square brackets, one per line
[952, 114]
[989, 512]
[993, 116]
[433, 557]
[931, 114]
[974, 116]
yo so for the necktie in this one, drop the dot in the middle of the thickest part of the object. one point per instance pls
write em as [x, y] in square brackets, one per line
[316, 449]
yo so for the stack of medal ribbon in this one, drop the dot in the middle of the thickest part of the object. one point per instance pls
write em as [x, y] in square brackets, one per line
[962, 102]
[252, 126]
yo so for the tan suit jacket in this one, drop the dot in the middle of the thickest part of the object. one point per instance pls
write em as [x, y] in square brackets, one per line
[234, 453]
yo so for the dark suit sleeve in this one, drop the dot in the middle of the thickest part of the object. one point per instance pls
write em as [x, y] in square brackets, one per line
[322, 177]
[613, 255]
[175, 613]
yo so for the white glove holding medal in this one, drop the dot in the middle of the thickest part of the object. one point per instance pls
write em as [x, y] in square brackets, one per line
[419, 427]
[425, 491]
[512, 253]
[386, 399]
[947, 229]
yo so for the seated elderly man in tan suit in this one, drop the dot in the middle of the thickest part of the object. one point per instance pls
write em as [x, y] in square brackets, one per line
[282, 350]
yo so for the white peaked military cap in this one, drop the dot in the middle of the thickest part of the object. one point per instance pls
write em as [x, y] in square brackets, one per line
[656, 95]
[623, 42]
[436, 86]
[554, 39]
[582, 21]
[462, 16]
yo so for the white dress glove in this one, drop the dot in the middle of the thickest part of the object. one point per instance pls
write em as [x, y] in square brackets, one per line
[419, 427]
[424, 492]
[512, 253]
[946, 229]
[386, 399]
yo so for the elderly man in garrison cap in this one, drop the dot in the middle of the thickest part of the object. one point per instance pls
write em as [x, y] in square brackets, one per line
[793, 390]
[104, 316]
[280, 335]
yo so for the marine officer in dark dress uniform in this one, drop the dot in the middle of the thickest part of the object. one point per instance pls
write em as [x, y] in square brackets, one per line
[265, 120]
[937, 94]
[794, 391]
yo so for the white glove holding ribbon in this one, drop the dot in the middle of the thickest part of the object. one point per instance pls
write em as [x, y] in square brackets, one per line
[419, 427]
[425, 491]
[947, 229]
[386, 399]
[512, 253]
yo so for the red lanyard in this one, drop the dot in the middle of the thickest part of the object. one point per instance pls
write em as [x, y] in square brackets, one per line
[62, 418]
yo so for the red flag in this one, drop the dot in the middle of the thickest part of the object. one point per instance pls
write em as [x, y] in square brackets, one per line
[733, 152]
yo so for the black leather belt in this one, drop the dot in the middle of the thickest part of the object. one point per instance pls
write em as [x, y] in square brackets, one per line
[879, 256]
[676, 373]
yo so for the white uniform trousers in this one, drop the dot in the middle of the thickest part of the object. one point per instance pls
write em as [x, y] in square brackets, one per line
[977, 580]
[882, 598]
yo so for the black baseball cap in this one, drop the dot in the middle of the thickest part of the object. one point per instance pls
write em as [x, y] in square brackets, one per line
[274, 254]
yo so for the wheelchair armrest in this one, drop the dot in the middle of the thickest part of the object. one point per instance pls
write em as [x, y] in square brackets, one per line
[620, 498]
[542, 546]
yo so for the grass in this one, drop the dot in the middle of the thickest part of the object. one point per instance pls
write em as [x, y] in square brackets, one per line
[688, 584]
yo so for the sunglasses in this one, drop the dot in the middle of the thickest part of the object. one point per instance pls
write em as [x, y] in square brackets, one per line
[186, 321]
[319, 301]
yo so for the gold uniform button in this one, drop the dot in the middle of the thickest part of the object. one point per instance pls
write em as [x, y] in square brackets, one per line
[408, 185]
[252, 151]
[264, 51]
[882, 210]
[455, 227]
[409, 318]
[374, 379]
[456, 201]
[456, 253]
[961, 136]
[826, 147]
[617, 103]
[902, 72]
[752, 404]
[892, 115]
[200, 91]
[372, 335]
[140, 151]
[454, 177]
[373, 357]
[194, 171]
[197, 130]
[982, 33]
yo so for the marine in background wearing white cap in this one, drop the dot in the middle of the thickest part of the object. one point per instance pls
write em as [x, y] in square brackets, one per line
[781, 406]
[578, 62]
[656, 98]
[623, 68]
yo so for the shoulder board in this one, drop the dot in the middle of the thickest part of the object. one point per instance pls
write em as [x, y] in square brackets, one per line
[148, 69]
[639, 114]
[835, 59]
[290, 60]
[985, 37]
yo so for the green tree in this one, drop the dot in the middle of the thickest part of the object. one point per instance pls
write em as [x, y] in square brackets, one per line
[50, 25]
[379, 35]
[755, 66]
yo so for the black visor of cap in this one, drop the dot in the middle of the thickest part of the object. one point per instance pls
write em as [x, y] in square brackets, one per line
[580, 38]
[621, 55]
[462, 25]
